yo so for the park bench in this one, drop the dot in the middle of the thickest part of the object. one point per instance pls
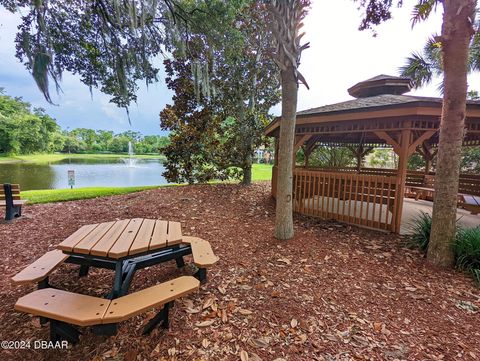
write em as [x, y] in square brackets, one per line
[427, 191]
[64, 309]
[203, 256]
[471, 203]
[10, 198]
[40, 269]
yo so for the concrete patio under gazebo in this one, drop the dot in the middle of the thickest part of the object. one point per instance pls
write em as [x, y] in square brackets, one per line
[380, 116]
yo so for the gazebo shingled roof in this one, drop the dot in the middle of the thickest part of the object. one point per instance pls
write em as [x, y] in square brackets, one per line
[366, 114]
[381, 84]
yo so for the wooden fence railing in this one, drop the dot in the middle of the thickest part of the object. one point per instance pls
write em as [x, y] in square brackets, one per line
[360, 199]
[366, 199]
[468, 183]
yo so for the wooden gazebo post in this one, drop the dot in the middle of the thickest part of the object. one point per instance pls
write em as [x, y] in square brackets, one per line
[401, 175]
[404, 147]
[360, 152]
[310, 145]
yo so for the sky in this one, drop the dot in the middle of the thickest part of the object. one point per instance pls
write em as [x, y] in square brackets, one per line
[339, 57]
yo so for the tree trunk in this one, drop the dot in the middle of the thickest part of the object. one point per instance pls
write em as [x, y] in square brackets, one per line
[248, 141]
[247, 172]
[359, 160]
[456, 34]
[427, 166]
[284, 209]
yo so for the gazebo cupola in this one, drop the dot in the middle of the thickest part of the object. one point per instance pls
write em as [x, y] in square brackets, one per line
[381, 84]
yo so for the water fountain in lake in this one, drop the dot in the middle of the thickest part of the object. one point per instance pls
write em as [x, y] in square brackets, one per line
[130, 161]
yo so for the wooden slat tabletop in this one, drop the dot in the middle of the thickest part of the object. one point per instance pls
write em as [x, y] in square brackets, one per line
[123, 238]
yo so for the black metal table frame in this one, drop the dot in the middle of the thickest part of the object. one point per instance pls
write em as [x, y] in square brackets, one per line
[126, 267]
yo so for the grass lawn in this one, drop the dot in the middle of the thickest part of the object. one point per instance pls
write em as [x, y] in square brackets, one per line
[59, 195]
[55, 157]
[261, 172]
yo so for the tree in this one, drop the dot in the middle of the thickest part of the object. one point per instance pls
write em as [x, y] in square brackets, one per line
[247, 83]
[110, 44]
[422, 67]
[24, 131]
[237, 81]
[104, 138]
[455, 39]
[85, 136]
[328, 157]
[193, 154]
[286, 25]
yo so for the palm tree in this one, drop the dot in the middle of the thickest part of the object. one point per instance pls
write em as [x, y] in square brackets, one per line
[286, 25]
[457, 57]
[455, 53]
[422, 67]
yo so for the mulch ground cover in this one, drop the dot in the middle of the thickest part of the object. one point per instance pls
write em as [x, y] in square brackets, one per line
[334, 292]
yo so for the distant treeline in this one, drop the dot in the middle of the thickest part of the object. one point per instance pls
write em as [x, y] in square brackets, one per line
[24, 130]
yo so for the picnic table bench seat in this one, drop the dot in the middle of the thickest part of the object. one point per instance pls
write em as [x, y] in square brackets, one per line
[40, 269]
[64, 309]
[425, 191]
[203, 256]
[10, 199]
[471, 203]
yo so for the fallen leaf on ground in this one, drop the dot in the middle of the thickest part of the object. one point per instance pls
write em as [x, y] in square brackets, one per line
[205, 323]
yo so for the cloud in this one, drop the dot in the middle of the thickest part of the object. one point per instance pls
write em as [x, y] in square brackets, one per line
[339, 57]
[76, 107]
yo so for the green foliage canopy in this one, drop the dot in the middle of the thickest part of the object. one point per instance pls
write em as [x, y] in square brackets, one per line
[23, 130]
[223, 92]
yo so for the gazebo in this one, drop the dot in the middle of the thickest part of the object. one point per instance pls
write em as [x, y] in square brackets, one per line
[381, 115]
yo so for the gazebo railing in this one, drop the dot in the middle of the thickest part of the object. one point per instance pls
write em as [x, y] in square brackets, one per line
[365, 200]
[468, 183]
[368, 198]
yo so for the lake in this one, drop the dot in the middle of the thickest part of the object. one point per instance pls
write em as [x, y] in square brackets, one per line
[88, 173]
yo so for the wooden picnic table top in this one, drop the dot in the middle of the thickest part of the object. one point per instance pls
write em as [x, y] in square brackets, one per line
[127, 237]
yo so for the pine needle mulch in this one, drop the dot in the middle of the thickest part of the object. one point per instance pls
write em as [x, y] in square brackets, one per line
[334, 292]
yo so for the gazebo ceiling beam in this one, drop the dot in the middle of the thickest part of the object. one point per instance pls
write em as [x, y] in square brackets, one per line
[299, 141]
[389, 140]
[420, 140]
[311, 144]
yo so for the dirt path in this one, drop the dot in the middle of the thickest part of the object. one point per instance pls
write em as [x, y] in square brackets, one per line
[332, 293]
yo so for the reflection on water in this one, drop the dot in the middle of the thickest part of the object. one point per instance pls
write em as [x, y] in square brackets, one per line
[88, 173]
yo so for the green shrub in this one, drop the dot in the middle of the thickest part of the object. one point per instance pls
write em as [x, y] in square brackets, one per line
[466, 244]
[467, 251]
[419, 231]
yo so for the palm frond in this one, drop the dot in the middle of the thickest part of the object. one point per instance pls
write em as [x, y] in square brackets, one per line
[474, 53]
[418, 69]
[422, 10]
[432, 51]
[440, 88]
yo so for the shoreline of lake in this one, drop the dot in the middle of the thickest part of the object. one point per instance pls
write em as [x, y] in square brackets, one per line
[56, 157]
[53, 172]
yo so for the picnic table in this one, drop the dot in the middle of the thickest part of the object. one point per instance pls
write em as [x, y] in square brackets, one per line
[124, 246]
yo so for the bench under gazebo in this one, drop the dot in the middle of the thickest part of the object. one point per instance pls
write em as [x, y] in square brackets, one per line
[379, 116]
